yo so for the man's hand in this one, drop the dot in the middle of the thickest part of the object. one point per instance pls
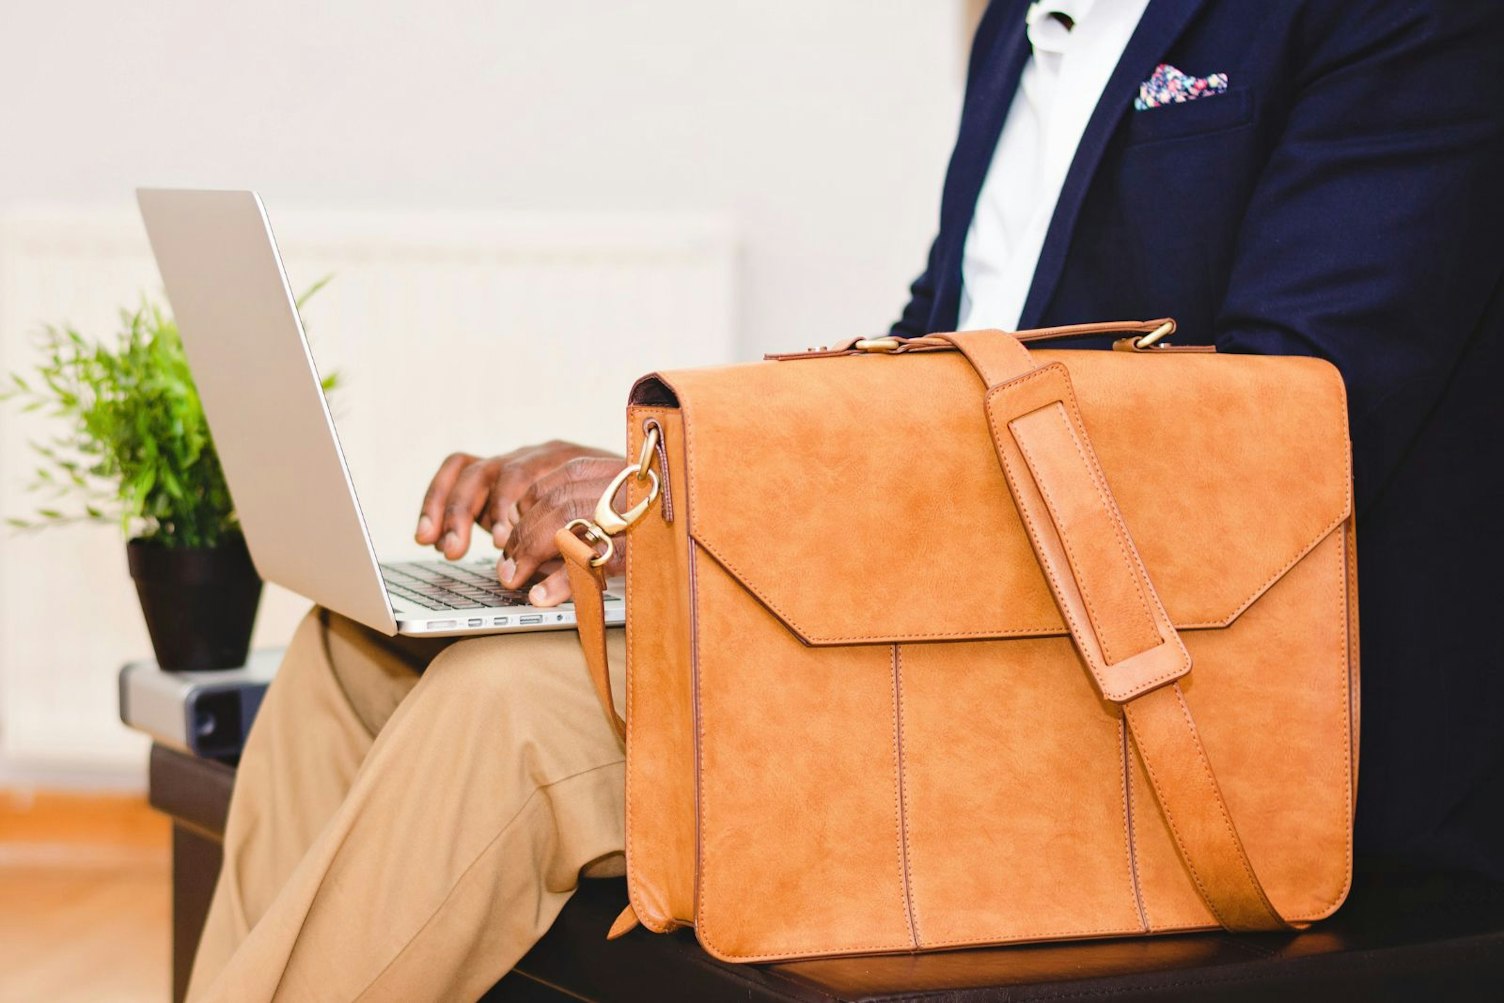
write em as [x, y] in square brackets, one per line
[522, 498]
[569, 492]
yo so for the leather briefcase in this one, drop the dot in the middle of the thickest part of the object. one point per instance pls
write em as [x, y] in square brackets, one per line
[951, 642]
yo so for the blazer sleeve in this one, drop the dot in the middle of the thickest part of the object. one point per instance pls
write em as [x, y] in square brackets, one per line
[1374, 237]
[914, 321]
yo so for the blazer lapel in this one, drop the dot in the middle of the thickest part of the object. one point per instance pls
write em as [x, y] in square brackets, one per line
[1161, 25]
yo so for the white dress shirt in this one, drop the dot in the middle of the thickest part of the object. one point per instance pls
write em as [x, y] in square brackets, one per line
[1060, 87]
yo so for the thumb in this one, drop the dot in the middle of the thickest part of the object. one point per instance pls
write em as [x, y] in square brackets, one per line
[551, 591]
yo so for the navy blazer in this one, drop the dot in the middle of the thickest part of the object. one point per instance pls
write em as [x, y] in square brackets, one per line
[1345, 199]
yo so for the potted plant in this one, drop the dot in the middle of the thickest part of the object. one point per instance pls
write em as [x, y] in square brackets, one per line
[137, 451]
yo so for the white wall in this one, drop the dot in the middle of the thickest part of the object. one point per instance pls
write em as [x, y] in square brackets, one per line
[823, 124]
[819, 127]
[477, 293]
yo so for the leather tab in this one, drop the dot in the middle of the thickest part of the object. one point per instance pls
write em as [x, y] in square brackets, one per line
[625, 924]
[588, 586]
[1186, 789]
[997, 357]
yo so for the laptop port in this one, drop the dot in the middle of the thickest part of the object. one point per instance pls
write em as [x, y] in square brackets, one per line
[530, 619]
[476, 622]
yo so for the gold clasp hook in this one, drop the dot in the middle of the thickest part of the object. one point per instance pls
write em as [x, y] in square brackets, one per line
[606, 521]
[612, 522]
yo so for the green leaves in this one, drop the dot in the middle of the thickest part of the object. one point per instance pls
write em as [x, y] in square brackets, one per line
[312, 290]
[136, 448]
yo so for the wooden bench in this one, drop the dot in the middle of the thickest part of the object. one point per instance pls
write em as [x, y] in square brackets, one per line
[1399, 937]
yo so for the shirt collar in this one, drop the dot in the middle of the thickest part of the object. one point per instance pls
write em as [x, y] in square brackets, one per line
[1048, 34]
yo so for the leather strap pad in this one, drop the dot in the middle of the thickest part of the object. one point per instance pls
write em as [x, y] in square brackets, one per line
[1121, 629]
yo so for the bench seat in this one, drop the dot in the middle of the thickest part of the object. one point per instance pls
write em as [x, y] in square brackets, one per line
[1401, 936]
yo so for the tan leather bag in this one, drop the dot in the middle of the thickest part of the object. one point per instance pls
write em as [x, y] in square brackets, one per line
[860, 603]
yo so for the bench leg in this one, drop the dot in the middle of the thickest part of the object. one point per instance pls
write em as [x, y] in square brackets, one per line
[196, 861]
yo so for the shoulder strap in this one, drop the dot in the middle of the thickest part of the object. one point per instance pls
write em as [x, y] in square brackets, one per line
[1120, 628]
[587, 585]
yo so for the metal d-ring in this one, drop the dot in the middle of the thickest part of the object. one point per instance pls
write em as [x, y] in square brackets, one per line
[595, 538]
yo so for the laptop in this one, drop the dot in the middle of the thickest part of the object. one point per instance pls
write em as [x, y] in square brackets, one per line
[277, 442]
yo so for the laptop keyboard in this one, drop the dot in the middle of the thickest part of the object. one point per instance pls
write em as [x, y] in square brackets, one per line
[445, 585]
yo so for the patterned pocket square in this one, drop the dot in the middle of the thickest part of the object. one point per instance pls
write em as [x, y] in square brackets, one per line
[1167, 85]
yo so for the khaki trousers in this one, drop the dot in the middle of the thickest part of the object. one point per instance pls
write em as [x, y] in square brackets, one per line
[409, 817]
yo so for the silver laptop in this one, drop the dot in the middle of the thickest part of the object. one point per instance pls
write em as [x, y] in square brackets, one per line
[276, 438]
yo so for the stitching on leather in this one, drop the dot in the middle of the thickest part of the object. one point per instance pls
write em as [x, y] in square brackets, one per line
[1031, 631]
[702, 803]
[1258, 593]
[635, 894]
[1130, 826]
[1116, 515]
[667, 493]
[1031, 937]
[1034, 630]
[1023, 511]
[1221, 805]
[1179, 840]
[702, 928]
[1048, 630]
[1108, 504]
[1044, 492]
[1120, 532]
[1113, 693]
[1344, 658]
[694, 488]
[1045, 565]
[741, 579]
[1347, 513]
[693, 560]
[1344, 603]
[900, 800]
[804, 952]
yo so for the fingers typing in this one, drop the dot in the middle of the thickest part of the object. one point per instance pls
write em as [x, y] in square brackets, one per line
[521, 497]
[431, 518]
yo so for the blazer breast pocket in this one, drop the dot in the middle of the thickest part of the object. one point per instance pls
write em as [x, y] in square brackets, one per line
[1227, 110]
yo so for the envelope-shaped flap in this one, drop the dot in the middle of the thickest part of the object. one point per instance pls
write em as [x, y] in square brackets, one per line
[860, 497]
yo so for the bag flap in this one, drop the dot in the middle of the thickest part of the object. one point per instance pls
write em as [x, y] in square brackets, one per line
[860, 498]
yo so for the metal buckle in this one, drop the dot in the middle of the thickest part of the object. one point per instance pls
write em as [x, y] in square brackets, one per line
[878, 344]
[606, 521]
[1162, 331]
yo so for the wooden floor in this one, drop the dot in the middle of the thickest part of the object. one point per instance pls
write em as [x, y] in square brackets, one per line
[85, 906]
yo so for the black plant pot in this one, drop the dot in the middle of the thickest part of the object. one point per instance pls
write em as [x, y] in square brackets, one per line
[199, 602]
